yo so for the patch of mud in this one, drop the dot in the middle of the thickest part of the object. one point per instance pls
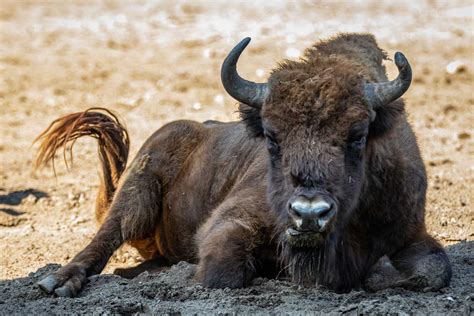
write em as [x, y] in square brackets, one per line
[174, 291]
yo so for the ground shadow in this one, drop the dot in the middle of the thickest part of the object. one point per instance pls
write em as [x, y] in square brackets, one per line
[16, 197]
[10, 211]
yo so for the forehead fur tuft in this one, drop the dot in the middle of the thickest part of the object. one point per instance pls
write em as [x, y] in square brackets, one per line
[327, 80]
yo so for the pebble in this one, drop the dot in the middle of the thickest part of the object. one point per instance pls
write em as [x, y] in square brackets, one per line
[219, 99]
[197, 106]
[128, 101]
[455, 67]
[148, 95]
[50, 101]
[206, 53]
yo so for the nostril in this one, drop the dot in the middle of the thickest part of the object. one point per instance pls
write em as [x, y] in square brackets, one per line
[325, 211]
[293, 211]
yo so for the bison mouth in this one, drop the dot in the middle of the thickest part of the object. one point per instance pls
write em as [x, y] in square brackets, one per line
[304, 238]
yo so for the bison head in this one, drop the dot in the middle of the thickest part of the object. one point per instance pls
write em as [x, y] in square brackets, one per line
[317, 116]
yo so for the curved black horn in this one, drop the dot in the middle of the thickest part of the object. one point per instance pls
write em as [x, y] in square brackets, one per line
[248, 92]
[379, 94]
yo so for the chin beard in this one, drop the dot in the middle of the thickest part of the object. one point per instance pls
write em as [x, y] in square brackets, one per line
[306, 257]
[315, 260]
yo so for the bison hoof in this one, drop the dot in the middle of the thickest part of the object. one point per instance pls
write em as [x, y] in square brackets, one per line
[66, 282]
[47, 284]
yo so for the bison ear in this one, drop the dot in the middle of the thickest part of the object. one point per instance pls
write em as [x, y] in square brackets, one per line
[386, 117]
[252, 119]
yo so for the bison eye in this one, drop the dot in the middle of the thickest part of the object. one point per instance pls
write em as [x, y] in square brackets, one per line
[272, 144]
[358, 143]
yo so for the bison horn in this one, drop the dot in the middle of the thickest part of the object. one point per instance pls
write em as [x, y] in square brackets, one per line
[379, 94]
[248, 92]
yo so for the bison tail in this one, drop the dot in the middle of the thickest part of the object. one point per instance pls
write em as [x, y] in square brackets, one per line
[113, 141]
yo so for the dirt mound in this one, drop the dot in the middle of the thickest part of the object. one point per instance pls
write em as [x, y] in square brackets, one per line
[173, 291]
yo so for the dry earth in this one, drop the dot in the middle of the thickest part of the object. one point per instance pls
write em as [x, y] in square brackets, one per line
[159, 61]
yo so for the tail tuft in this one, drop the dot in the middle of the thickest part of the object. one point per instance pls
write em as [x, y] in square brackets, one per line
[103, 125]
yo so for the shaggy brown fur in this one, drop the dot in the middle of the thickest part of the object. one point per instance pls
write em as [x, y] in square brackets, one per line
[214, 194]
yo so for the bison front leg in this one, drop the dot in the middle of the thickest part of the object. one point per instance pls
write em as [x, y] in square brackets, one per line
[420, 266]
[227, 243]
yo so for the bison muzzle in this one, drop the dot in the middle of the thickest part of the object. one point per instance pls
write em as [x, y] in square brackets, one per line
[321, 181]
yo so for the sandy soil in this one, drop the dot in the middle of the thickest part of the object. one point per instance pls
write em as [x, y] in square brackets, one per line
[156, 62]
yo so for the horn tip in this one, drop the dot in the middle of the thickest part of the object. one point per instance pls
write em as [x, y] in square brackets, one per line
[245, 41]
[400, 60]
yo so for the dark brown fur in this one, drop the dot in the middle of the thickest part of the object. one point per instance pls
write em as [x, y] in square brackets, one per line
[217, 193]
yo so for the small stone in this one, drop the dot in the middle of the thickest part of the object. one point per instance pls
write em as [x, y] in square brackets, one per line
[219, 99]
[206, 53]
[197, 106]
[455, 67]
[443, 235]
[50, 101]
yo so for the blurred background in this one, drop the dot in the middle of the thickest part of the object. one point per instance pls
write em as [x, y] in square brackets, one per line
[157, 61]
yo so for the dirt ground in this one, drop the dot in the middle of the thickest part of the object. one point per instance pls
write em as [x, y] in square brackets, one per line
[153, 62]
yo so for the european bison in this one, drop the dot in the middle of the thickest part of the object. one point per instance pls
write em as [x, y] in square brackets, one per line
[321, 179]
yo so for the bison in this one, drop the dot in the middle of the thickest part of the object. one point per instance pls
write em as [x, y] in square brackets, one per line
[321, 180]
